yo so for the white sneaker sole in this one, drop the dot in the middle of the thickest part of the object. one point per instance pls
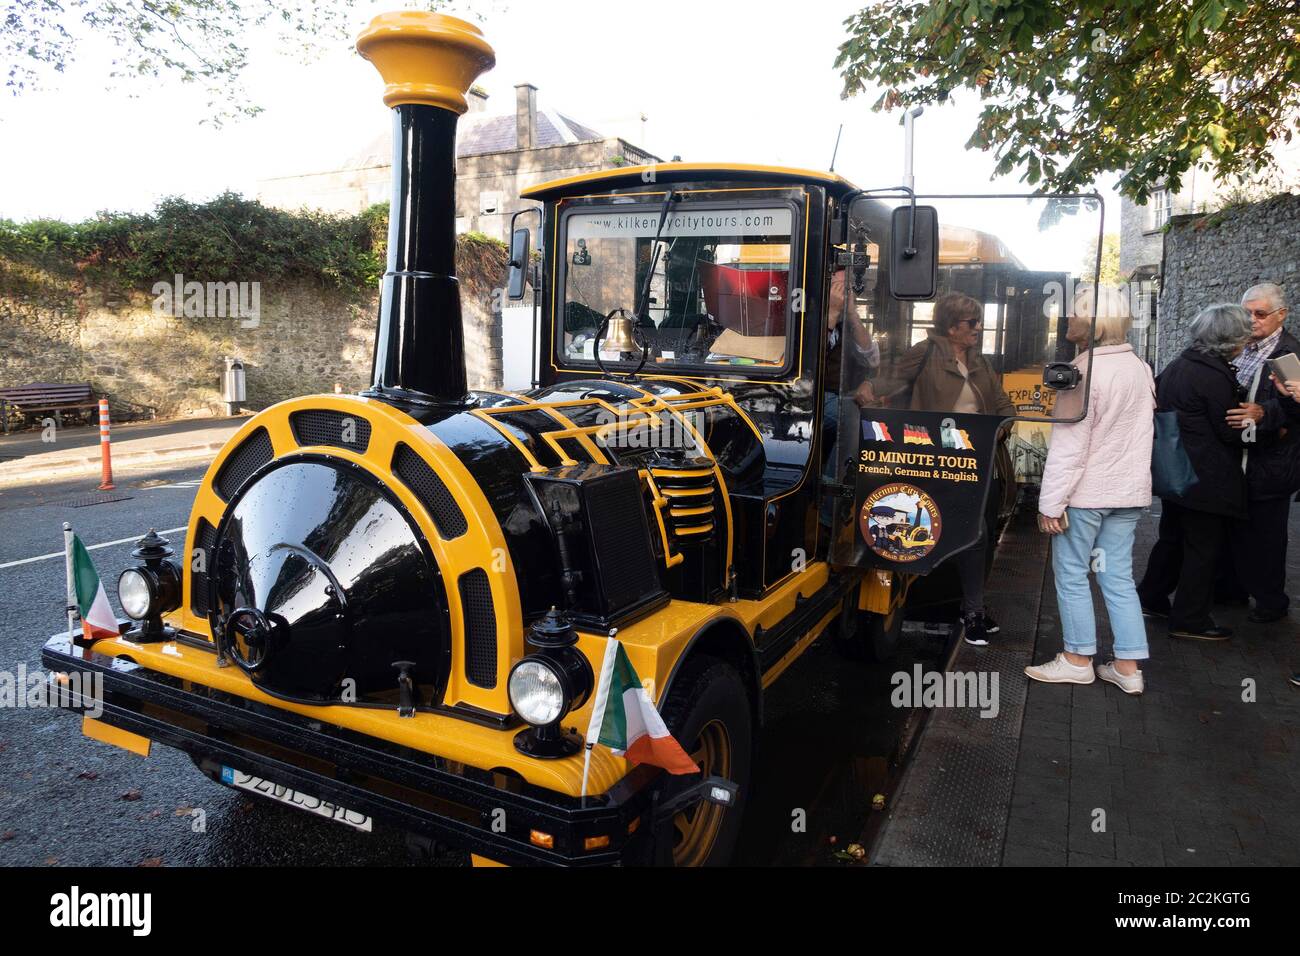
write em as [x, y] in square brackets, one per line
[1058, 680]
[1115, 681]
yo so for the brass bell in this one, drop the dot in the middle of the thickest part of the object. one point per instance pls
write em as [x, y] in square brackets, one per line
[618, 338]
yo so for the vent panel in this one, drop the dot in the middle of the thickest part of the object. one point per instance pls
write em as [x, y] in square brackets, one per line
[480, 628]
[324, 426]
[255, 452]
[205, 542]
[433, 493]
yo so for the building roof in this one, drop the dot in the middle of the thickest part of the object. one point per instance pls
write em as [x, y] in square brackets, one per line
[480, 133]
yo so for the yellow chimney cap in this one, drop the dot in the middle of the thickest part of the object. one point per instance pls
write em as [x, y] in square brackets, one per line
[426, 58]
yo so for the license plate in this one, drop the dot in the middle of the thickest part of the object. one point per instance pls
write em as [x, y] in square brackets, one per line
[295, 798]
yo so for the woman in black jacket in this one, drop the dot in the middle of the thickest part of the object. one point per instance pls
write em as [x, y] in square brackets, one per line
[1201, 387]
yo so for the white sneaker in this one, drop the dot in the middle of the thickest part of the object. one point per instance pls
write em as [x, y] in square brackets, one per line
[1060, 671]
[1128, 683]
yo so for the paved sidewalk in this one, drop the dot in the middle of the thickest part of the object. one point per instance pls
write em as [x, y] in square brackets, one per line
[1188, 774]
[26, 459]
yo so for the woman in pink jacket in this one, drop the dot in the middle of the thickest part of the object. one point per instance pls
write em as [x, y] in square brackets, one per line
[1096, 482]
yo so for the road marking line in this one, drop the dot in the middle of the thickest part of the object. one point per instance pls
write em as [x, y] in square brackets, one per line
[92, 547]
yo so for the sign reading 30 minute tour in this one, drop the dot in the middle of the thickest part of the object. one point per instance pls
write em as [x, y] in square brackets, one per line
[921, 485]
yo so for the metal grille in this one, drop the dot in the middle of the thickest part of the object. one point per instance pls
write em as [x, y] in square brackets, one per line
[690, 514]
[954, 800]
[322, 426]
[480, 628]
[437, 499]
[255, 452]
[621, 541]
[205, 543]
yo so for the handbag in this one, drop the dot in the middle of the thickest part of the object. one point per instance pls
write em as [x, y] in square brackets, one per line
[1172, 474]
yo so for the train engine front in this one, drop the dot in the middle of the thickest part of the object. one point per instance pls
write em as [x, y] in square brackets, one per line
[394, 601]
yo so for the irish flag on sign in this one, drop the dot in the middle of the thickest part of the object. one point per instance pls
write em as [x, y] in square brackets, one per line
[97, 617]
[624, 719]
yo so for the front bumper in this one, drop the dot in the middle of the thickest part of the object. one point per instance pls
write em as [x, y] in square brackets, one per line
[491, 814]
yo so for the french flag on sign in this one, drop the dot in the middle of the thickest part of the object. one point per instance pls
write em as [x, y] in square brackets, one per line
[876, 431]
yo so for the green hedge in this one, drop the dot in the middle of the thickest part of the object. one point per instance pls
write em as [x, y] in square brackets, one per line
[229, 238]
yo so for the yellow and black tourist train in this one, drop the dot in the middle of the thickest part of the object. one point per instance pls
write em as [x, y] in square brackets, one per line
[369, 581]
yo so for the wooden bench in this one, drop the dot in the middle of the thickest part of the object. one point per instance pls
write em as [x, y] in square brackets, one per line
[41, 397]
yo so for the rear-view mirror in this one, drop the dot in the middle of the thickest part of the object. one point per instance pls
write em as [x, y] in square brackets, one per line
[914, 252]
[519, 264]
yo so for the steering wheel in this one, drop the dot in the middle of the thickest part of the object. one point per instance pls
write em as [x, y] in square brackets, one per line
[637, 334]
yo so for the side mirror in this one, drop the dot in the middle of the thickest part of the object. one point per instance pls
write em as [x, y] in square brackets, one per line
[520, 264]
[913, 252]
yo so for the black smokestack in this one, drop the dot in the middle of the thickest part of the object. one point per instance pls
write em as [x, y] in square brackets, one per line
[428, 62]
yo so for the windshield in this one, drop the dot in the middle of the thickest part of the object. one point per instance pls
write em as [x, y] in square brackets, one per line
[720, 295]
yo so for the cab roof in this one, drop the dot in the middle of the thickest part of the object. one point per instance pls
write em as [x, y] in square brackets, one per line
[611, 179]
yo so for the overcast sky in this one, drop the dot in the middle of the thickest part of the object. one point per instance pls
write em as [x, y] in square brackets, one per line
[726, 81]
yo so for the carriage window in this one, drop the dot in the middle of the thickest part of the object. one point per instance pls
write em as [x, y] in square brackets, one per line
[720, 285]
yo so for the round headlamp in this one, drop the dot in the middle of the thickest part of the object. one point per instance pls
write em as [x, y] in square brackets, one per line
[537, 692]
[137, 593]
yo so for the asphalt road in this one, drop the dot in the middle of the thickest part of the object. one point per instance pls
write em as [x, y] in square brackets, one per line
[829, 745]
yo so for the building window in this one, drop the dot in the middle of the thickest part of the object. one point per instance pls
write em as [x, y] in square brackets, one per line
[1160, 206]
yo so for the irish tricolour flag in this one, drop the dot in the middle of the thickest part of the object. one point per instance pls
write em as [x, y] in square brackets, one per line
[624, 719]
[97, 617]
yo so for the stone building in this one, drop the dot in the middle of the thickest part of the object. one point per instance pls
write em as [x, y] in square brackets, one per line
[1215, 257]
[1143, 230]
[498, 155]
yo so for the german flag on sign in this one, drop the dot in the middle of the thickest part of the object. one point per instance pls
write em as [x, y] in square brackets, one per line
[916, 435]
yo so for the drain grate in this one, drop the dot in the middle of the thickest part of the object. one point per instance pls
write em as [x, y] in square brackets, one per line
[85, 501]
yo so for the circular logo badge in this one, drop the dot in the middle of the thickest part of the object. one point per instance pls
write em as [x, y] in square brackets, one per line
[900, 522]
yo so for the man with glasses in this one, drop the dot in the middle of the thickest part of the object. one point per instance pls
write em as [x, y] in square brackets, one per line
[1271, 458]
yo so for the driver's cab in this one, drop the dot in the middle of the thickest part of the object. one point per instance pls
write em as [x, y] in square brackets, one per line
[715, 289]
[687, 278]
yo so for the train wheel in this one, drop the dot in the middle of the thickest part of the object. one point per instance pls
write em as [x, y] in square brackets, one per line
[708, 712]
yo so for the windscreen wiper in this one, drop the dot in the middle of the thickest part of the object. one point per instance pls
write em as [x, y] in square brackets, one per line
[643, 302]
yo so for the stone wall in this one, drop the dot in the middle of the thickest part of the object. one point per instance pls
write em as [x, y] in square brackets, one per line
[1216, 257]
[307, 339]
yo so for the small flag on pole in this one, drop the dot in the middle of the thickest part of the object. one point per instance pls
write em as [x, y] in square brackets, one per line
[624, 719]
[876, 431]
[97, 617]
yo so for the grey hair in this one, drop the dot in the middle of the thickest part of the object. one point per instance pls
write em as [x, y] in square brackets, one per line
[1220, 330]
[1271, 291]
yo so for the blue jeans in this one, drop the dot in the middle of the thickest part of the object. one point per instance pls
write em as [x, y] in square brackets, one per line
[1099, 540]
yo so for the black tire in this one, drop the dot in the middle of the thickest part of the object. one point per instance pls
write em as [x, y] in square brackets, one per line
[707, 697]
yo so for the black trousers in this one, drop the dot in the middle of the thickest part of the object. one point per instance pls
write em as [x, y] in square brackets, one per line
[1184, 560]
[1258, 547]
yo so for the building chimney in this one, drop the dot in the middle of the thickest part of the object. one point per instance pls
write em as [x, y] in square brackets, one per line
[477, 99]
[525, 116]
[427, 61]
